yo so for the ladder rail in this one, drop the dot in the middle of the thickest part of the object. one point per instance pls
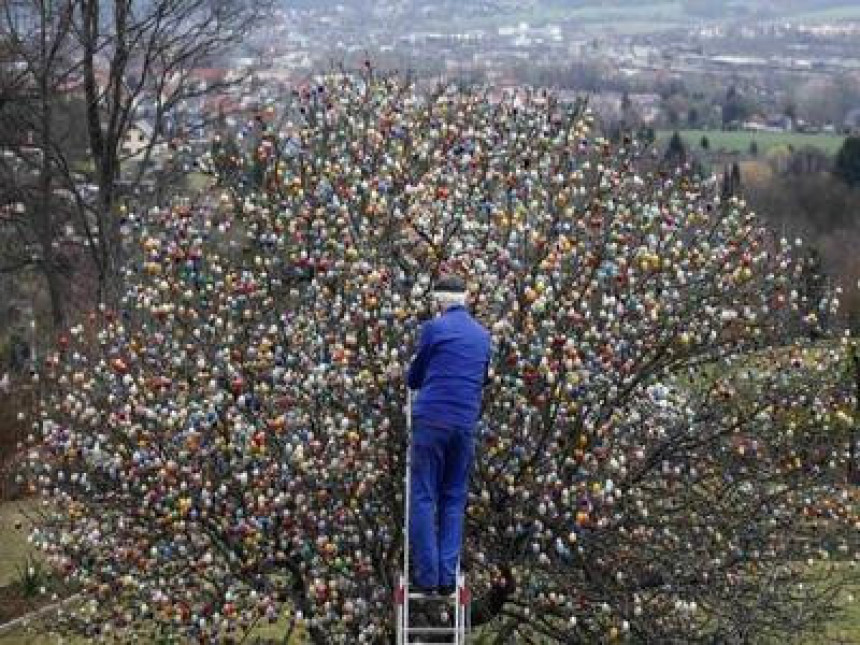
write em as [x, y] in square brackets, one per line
[407, 502]
[457, 608]
[400, 601]
[462, 606]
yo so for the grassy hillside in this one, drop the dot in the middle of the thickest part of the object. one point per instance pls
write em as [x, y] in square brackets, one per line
[607, 16]
[766, 141]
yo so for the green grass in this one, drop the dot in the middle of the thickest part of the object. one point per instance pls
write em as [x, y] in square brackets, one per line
[657, 13]
[625, 16]
[615, 16]
[845, 12]
[740, 141]
[25, 636]
[14, 548]
[846, 630]
[196, 182]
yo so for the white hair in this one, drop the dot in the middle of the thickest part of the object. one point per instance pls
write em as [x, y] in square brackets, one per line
[450, 298]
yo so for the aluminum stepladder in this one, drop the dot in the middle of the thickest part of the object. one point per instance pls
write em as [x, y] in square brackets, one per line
[461, 598]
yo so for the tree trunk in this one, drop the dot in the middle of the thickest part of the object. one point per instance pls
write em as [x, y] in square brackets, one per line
[56, 296]
[110, 240]
[89, 35]
[44, 214]
[854, 436]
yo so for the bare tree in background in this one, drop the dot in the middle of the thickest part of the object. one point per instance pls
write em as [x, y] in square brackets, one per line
[99, 60]
[37, 41]
[145, 49]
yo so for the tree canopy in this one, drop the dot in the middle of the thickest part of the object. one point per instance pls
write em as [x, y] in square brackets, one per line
[654, 463]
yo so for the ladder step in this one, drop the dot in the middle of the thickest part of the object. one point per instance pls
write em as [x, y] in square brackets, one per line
[415, 595]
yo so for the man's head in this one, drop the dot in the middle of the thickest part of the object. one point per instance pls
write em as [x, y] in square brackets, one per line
[450, 290]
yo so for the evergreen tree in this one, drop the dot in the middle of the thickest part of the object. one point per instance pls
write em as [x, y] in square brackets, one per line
[847, 166]
[693, 117]
[676, 151]
[727, 187]
[735, 108]
[646, 135]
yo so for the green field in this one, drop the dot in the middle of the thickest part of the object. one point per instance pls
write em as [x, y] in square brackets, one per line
[31, 637]
[658, 13]
[740, 141]
[844, 12]
[197, 182]
[14, 548]
[646, 16]
[618, 17]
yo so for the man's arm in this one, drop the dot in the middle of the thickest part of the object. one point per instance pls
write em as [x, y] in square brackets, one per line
[487, 378]
[418, 369]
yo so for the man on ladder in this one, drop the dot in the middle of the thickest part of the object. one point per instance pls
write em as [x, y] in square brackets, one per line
[449, 372]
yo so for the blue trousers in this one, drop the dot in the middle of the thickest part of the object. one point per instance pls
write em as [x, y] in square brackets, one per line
[441, 461]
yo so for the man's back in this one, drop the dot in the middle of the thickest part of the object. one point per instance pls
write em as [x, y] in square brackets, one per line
[450, 369]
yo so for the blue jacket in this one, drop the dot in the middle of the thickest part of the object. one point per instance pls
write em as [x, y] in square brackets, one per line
[450, 369]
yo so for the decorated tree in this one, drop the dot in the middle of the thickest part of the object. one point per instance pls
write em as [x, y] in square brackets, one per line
[654, 463]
